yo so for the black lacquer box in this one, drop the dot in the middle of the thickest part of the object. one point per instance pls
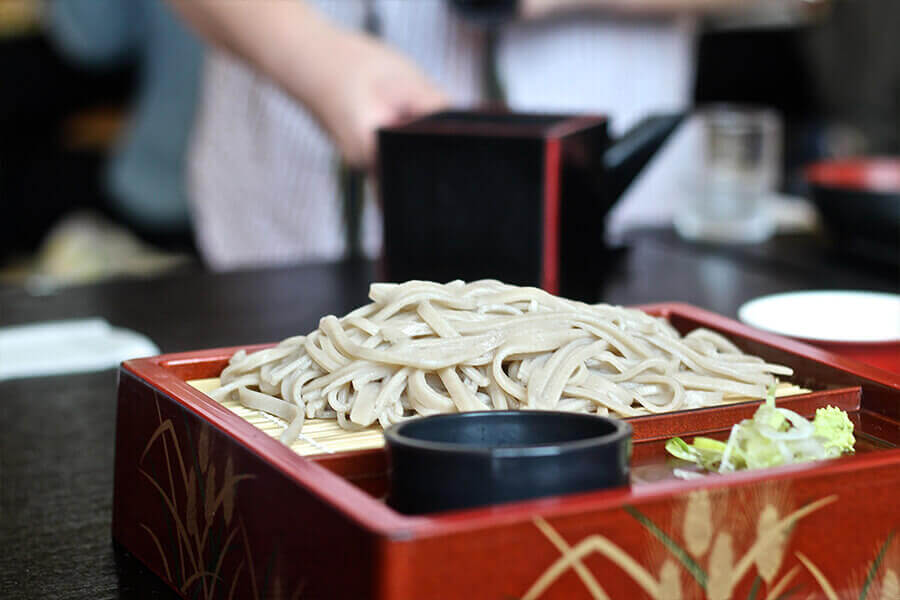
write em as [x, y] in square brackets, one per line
[511, 196]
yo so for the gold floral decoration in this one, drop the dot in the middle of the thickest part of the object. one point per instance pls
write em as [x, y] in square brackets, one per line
[698, 523]
[715, 558]
[197, 568]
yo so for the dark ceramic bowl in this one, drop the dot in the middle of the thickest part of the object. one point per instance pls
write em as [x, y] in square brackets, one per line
[471, 459]
[859, 200]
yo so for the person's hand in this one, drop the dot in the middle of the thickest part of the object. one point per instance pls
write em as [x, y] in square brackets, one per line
[352, 83]
[368, 86]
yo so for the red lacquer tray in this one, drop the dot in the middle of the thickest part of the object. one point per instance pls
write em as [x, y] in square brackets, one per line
[219, 509]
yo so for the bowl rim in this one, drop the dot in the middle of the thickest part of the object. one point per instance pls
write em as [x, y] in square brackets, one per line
[856, 174]
[850, 342]
[622, 431]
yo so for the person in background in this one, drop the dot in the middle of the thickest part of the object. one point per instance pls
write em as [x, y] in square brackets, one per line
[146, 175]
[300, 85]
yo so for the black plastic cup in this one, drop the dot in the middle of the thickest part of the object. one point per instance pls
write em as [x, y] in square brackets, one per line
[463, 460]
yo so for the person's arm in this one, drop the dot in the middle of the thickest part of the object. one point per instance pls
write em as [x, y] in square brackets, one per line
[352, 83]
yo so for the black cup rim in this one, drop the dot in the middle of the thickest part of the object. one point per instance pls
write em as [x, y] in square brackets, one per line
[394, 435]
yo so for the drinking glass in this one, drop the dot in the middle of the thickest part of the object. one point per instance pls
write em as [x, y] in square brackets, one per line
[741, 167]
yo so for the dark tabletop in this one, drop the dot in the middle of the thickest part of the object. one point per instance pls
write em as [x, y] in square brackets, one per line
[57, 433]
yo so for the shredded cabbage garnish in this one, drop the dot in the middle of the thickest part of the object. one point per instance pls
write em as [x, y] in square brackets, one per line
[774, 436]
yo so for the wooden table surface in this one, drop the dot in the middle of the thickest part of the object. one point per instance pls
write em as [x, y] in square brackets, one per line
[57, 433]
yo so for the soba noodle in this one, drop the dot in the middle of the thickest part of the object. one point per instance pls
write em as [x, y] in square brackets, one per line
[422, 348]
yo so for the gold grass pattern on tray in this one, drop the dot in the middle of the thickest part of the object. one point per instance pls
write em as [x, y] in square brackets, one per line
[325, 436]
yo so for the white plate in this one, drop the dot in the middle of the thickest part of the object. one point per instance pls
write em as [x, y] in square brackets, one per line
[827, 316]
[62, 347]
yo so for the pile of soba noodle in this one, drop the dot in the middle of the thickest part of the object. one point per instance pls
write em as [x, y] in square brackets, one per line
[422, 348]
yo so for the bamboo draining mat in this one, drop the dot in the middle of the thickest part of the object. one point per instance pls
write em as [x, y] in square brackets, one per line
[325, 436]
[319, 436]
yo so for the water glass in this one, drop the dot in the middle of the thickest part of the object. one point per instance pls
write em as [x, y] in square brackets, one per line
[741, 169]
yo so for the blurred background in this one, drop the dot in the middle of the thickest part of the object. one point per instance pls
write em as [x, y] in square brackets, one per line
[96, 113]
